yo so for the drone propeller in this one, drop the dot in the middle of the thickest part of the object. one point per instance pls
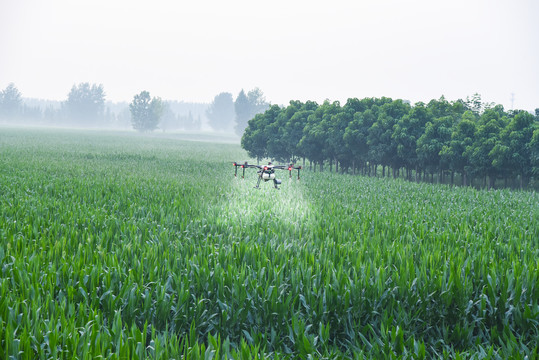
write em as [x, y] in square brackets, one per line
[291, 167]
[243, 166]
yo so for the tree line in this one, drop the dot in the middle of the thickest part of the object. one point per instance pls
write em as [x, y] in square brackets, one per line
[465, 142]
[86, 106]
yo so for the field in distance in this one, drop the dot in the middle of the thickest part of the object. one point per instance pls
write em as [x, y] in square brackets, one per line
[128, 246]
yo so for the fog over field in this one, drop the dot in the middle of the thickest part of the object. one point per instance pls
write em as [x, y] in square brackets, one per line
[301, 50]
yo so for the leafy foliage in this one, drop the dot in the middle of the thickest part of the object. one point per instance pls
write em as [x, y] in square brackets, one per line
[10, 102]
[471, 139]
[247, 106]
[86, 103]
[145, 112]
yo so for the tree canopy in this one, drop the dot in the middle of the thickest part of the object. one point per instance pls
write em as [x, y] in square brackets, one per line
[468, 139]
[85, 103]
[221, 112]
[10, 102]
[247, 106]
[145, 112]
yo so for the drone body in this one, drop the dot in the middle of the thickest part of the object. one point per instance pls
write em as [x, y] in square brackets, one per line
[266, 172]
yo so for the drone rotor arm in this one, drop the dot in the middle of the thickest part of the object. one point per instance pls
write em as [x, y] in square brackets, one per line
[265, 169]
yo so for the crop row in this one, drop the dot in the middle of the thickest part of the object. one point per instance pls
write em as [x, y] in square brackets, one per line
[134, 247]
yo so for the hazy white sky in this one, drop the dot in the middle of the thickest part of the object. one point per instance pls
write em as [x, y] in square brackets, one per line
[291, 49]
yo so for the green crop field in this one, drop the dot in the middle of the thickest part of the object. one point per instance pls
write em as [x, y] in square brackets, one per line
[123, 246]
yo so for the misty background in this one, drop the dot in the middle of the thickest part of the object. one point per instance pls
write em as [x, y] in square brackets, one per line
[86, 106]
[189, 52]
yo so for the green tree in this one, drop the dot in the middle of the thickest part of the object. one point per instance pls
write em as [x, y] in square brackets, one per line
[356, 134]
[318, 141]
[534, 153]
[355, 137]
[145, 112]
[488, 131]
[247, 106]
[430, 144]
[344, 151]
[313, 141]
[512, 153]
[334, 121]
[10, 102]
[474, 104]
[406, 132]
[441, 107]
[221, 112]
[293, 131]
[462, 139]
[382, 148]
[275, 132]
[256, 136]
[85, 104]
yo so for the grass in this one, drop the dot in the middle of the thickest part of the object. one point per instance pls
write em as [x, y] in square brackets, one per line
[127, 246]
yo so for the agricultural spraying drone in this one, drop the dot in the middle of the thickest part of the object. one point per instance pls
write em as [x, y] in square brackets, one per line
[266, 172]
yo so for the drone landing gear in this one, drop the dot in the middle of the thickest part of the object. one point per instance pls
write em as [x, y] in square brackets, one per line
[258, 182]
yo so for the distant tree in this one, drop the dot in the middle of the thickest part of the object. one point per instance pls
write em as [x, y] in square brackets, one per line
[337, 119]
[474, 103]
[459, 107]
[487, 135]
[257, 135]
[406, 132]
[314, 143]
[534, 150]
[430, 144]
[293, 131]
[355, 137]
[197, 123]
[276, 133]
[512, 153]
[344, 135]
[145, 112]
[86, 103]
[441, 107]
[169, 120]
[31, 113]
[221, 112]
[189, 122]
[257, 100]
[241, 107]
[470, 138]
[123, 118]
[454, 152]
[382, 149]
[50, 114]
[10, 102]
[247, 106]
